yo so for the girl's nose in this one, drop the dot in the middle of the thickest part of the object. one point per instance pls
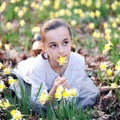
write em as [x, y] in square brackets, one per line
[61, 50]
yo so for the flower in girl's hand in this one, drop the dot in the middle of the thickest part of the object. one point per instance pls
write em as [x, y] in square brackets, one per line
[44, 97]
[62, 60]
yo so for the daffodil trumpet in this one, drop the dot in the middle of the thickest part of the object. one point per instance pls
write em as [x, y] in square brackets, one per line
[62, 60]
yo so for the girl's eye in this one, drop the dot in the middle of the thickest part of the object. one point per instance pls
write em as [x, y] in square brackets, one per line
[65, 43]
[53, 46]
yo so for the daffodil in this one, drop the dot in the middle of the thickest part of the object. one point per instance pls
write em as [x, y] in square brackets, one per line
[44, 97]
[97, 13]
[73, 22]
[92, 15]
[58, 95]
[8, 25]
[66, 93]
[114, 85]
[16, 115]
[4, 104]
[16, 9]
[62, 60]
[20, 13]
[3, 7]
[109, 72]
[35, 29]
[6, 71]
[11, 80]
[107, 31]
[60, 89]
[0, 44]
[96, 34]
[73, 92]
[46, 3]
[105, 25]
[7, 47]
[22, 23]
[91, 26]
[117, 66]
[1, 65]
[2, 86]
[103, 66]
[56, 4]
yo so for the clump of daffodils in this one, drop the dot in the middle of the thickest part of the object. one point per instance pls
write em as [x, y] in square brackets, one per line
[16, 115]
[62, 60]
[44, 97]
[4, 104]
[65, 93]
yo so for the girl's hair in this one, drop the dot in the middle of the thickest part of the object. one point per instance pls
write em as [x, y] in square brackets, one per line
[51, 25]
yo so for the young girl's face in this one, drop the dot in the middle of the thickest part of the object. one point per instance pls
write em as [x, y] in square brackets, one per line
[57, 43]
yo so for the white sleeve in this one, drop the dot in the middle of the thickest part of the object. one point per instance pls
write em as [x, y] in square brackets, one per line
[37, 77]
[86, 89]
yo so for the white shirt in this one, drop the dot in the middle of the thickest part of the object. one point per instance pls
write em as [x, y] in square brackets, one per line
[37, 70]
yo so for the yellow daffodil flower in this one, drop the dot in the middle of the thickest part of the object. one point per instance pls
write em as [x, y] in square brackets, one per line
[7, 47]
[35, 29]
[73, 92]
[11, 80]
[22, 23]
[20, 13]
[91, 26]
[1, 65]
[114, 85]
[16, 115]
[46, 3]
[3, 7]
[97, 13]
[59, 89]
[6, 71]
[96, 34]
[8, 25]
[107, 31]
[105, 25]
[58, 95]
[109, 72]
[0, 44]
[62, 60]
[103, 66]
[56, 4]
[44, 97]
[4, 104]
[66, 93]
[2, 86]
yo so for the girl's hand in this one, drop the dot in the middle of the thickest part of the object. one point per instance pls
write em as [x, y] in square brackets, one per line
[61, 81]
[58, 81]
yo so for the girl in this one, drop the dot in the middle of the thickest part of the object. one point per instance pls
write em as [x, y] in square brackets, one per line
[56, 41]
